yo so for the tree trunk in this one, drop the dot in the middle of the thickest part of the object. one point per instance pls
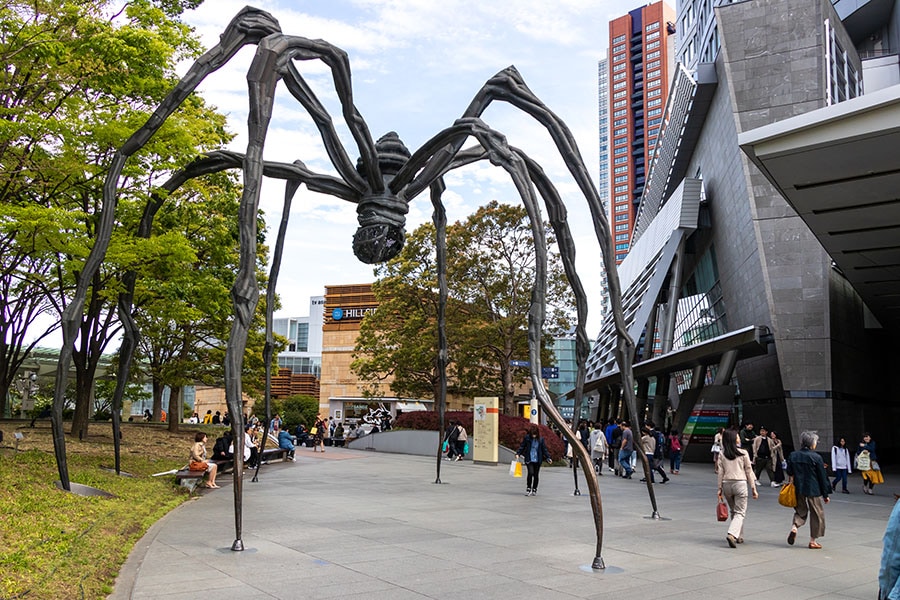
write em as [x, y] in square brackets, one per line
[176, 407]
[84, 395]
[157, 400]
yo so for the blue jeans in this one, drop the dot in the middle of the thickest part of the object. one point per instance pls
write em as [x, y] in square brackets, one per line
[625, 461]
[840, 475]
[675, 460]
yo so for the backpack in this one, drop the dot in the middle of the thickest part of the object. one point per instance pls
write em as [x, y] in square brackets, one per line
[659, 452]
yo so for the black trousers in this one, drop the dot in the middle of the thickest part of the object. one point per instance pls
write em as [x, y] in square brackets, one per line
[534, 472]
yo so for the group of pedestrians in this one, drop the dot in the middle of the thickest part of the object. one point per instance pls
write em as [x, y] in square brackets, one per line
[456, 441]
[741, 457]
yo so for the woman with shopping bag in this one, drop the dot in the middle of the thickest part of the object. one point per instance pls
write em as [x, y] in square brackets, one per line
[735, 483]
[534, 451]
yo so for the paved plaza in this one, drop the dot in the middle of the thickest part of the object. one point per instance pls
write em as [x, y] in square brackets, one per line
[367, 525]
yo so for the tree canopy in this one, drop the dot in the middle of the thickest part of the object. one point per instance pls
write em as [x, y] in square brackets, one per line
[81, 77]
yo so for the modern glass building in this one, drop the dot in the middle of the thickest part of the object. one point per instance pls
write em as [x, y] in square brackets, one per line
[762, 267]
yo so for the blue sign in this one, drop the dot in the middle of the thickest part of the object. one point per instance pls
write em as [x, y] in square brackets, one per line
[549, 372]
[337, 314]
[519, 363]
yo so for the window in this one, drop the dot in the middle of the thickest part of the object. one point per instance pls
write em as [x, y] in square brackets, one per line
[652, 55]
[623, 227]
[655, 121]
[621, 94]
[618, 38]
[655, 102]
[619, 76]
[653, 133]
[622, 217]
[620, 122]
[619, 132]
[621, 199]
[620, 85]
[619, 67]
[620, 188]
[618, 57]
[652, 26]
[652, 36]
[620, 103]
[652, 45]
[653, 65]
[622, 237]
[621, 169]
[621, 247]
[653, 112]
[654, 83]
[620, 113]
[620, 160]
[621, 150]
[654, 93]
[620, 179]
[619, 48]
[652, 74]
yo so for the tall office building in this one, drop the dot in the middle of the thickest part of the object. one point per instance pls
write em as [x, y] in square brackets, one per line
[603, 177]
[640, 67]
[764, 255]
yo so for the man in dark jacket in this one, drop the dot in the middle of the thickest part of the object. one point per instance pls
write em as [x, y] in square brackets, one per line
[807, 472]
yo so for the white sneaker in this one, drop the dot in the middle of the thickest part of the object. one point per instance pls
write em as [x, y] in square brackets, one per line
[776, 484]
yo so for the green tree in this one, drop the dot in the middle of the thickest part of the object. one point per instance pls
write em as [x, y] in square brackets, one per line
[297, 410]
[490, 273]
[81, 76]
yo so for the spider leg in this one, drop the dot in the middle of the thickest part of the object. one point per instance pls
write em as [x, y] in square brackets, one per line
[290, 189]
[440, 225]
[248, 27]
[278, 53]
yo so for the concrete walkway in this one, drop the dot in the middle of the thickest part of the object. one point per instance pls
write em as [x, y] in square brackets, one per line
[357, 524]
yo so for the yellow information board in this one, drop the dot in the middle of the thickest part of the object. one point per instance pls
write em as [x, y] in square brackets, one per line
[485, 430]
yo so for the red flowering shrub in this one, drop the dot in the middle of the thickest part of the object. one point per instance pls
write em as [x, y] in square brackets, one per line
[512, 429]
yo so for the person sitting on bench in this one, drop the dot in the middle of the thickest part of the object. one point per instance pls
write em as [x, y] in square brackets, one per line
[199, 462]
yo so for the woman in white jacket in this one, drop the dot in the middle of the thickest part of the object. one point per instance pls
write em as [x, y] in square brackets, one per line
[841, 465]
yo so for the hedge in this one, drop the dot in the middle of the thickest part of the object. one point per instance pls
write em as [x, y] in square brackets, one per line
[512, 429]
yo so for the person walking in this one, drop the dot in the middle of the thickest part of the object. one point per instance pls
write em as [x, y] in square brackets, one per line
[674, 452]
[806, 470]
[840, 464]
[716, 448]
[318, 432]
[626, 450]
[762, 456]
[461, 441]
[735, 483]
[534, 451]
[866, 462]
[777, 458]
[450, 439]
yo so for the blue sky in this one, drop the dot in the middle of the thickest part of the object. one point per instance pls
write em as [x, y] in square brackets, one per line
[416, 65]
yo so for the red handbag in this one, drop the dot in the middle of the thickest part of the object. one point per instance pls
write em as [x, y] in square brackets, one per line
[721, 511]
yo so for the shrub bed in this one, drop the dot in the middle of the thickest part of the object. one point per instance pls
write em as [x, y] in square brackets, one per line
[512, 429]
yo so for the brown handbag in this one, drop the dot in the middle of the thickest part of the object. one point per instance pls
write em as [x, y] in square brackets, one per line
[721, 511]
[198, 465]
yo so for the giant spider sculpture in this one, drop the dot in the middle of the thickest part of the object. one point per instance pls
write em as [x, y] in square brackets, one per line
[381, 184]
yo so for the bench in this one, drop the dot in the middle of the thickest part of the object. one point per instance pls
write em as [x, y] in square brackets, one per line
[274, 454]
[191, 479]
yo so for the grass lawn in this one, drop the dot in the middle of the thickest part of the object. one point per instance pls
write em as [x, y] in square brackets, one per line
[55, 544]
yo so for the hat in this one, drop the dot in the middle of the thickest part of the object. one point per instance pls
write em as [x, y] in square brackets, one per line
[761, 427]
